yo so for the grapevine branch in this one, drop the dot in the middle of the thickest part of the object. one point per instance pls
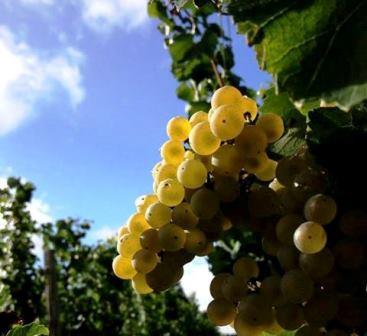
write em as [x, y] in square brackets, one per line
[217, 74]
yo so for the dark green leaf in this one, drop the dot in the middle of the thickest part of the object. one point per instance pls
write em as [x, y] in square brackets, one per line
[180, 47]
[33, 329]
[158, 11]
[185, 92]
[181, 3]
[290, 143]
[197, 106]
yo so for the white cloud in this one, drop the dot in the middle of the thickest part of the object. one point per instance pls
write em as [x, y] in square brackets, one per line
[29, 77]
[37, 2]
[102, 233]
[103, 15]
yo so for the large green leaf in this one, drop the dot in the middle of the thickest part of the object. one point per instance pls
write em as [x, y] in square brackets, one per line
[33, 329]
[315, 49]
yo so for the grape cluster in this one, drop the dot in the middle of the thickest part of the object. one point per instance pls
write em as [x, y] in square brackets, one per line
[215, 174]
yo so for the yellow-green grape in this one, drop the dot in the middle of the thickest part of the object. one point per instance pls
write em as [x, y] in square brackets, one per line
[165, 275]
[170, 192]
[276, 185]
[287, 170]
[320, 310]
[317, 265]
[290, 316]
[321, 209]
[172, 237]
[195, 241]
[205, 203]
[164, 172]
[288, 257]
[226, 95]
[296, 286]
[310, 237]
[246, 268]
[137, 223]
[217, 284]
[202, 140]
[268, 173]
[158, 215]
[192, 174]
[256, 164]
[173, 152]
[122, 268]
[144, 261]
[249, 106]
[122, 230]
[149, 240]
[227, 160]
[244, 328]
[270, 289]
[264, 202]
[128, 245]
[142, 202]
[140, 285]
[221, 312]
[183, 216]
[256, 310]
[198, 117]
[234, 288]
[309, 331]
[206, 160]
[210, 113]
[227, 188]
[227, 122]
[286, 226]
[178, 128]
[156, 168]
[252, 140]
[189, 155]
[273, 126]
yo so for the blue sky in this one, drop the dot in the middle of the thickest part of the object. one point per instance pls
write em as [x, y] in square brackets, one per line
[85, 94]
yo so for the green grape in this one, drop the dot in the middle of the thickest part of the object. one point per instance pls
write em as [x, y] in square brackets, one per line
[252, 141]
[192, 173]
[183, 216]
[205, 203]
[189, 155]
[213, 227]
[142, 202]
[270, 289]
[244, 328]
[317, 265]
[172, 237]
[310, 237]
[234, 288]
[170, 192]
[264, 202]
[256, 310]
[320, 310]
[149, 240]
[225, 95]
[198, 117]
[128, 244]
[321, 209]
[137, 223]
[122, 230]
[273, 126]
[122, 268]
[217, 284]
[276, 185]
[227, 188]
[165, 171]
[249, 107]
[288, 257]
[227, 121]
[221, 312]
[144, 261]
[246, 268]
[206, 160]
[165, 275]
[195, 241]
[156, 168]
[296, 286]
[354, 223]
[256, 164]
[268, 173]
[158, 215]
[202, 140]
[173, 152]
[210, 114]
[227, 160]
[308, 331]
[285, 228]
[288, 168]
[290, 316]
[140, 285]
[178, 128]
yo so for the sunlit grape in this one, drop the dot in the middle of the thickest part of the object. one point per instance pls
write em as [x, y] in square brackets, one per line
[173, 152]
[202, 140]
[178, 128]
[170, 192]
[192, 173]
[172, 237]
[142, 202]
[268, 173]
[165, 171]
[251, 141]
[137, 223]
[128, 244]
[320, 208]
[183, 216]
[158, 215]
[225, 95]
[122, 230]
[122, 268]
[221, 312]
[198, 117]
[227, 160]
[273, 126]
[140, 285]
[144, 261]
[249, 106]
[310, 237]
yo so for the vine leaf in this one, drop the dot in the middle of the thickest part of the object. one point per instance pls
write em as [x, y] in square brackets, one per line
[33, 329]
[314, 49]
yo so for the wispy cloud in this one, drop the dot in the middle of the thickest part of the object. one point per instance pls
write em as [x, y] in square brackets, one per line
[30, 76]
[37, 2]
[102, 233]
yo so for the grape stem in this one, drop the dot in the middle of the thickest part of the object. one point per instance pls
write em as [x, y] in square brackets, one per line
[217, 74]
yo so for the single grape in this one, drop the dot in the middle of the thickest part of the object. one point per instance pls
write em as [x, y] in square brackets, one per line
[317, 265]
[246, 268]
[142, 202]
[137, 224]
[208, 248]
[251, 141]
[173, 152]
[249, 107]
[122, 268]
[158, 215]
[255, 164]
[288, 168]
[290, 316]
[198, 117]
[296, 286]
[227, 160]
[128, 245]
[244, 328]
[178, 128]
[320, 310]
[195, 241]
[321, 209]
[140, 285]
[288, 257]
[286, 226]
[310, 237]
[156, 168]
[221, 312]
[170, 192]
[202, 140]
[172, 237]
[256, 310]
[273, 126]
[192, 173]
[189, 155]
[144, 261]
[234, 288]
[165, 171]
[205, 203]
[183, 216]
[122, 230]
[268, 173]
[165, 275]
[149, 240]
[226, 95]
[216, 285]
[270, 289]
